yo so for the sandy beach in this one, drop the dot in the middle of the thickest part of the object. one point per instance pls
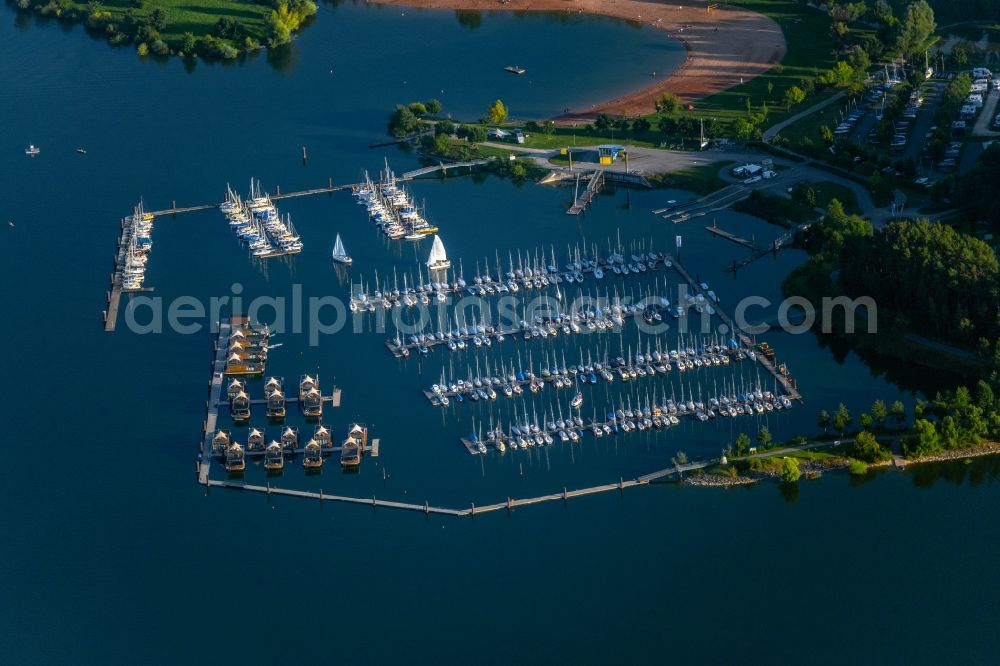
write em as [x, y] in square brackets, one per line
[724, 47]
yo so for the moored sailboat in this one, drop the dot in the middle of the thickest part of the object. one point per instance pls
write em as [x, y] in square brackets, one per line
[340, 253]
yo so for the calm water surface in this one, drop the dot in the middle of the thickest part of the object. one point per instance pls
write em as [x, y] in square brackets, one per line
[113, 553]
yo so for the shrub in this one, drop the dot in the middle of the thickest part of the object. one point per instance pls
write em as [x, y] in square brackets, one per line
[857, 468]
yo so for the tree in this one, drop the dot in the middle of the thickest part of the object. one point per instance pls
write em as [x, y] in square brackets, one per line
[841, 418]
[794, 96]
[866, 421]
[474, 133]
[640, 125]
[959, 56]
[497, 113]
[917, 26]
[879, 413]
[764, 437]
[418, 109]
[158, 19]
[857, 468]
[444, 126]
[402, 121]
[668, 103]
[603, 122]
[867, 448]
[442, 146]
[789, 470]
[745, 129]
[898, 412]
[188, 43]
[925, 440]
[681, 458]
[823, 420]
[741, 446]
[883, 13]
[433, 107]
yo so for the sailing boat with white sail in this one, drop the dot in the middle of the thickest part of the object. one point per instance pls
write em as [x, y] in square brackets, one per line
[340, 253]
[438, 261]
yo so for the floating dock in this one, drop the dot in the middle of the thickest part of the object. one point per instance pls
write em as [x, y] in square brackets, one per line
[472, 510]
[786, 381]
[215, 401]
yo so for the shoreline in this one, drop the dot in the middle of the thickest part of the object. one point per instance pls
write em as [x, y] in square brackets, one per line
[722, 481]
[723, 48]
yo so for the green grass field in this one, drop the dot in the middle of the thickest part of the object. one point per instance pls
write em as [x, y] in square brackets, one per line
[827, 191]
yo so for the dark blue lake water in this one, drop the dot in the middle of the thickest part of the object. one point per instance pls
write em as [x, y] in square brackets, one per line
[113, 553]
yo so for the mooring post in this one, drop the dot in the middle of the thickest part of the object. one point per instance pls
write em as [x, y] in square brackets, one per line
[427, 507]
[564, 493]
[621, 486]
[269, 488]
[173, 204]
[277, 189]
[329, 183]
[320, 494]
[473, 509]
[374, 503]
[510, 505]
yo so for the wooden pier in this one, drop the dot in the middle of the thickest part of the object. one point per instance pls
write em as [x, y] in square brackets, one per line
[114, 296]
[722, 233]
[472, 510]
[444, 167]
[212, 407]
[507, 331]
[277, 196]
[593, 187]
[787, 382]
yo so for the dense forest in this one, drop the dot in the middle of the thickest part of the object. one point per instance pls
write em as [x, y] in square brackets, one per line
[929, 278]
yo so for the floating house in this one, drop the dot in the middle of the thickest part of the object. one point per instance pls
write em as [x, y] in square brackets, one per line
[312, 404]
[276, 405]
[235, 458]
[220, 442]
[236, 386]
[272, 384]
[313, 458]
[323, 437]
[290, 439]
[255, 441]
[307, 383]
[354, 445]
[239, 407]
[274, 458]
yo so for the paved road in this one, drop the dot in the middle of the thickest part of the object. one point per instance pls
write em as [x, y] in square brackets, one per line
[772, 131]
[985, 123]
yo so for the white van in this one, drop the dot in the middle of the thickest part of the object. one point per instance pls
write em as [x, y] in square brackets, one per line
[982, 73]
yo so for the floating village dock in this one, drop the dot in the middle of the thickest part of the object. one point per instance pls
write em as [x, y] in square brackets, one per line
[222, 368]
